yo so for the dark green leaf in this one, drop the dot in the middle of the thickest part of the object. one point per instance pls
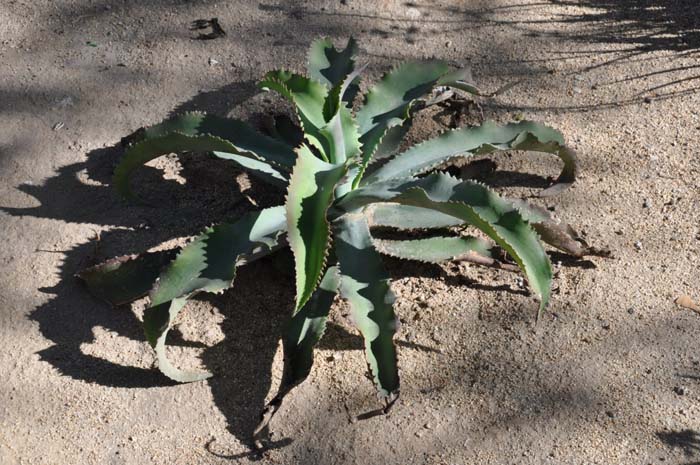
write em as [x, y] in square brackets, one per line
[124, 279]
[435, 249]
[472, 203]
[365, 285]
[490, 137]
[309, 196]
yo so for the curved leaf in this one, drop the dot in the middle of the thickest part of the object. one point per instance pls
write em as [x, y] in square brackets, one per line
[490, 137]
[247, 140]
[157, 322]
[435, 249]
[475, 204]
[385, 116]
[124, 279]
[207, 264]
[388, 103]
[330, 66]
[551, 231]
[309, 196]
[341, 133]
[365, 285]
[407, 217]
[142, 152]
[308, 96]
[303, 333]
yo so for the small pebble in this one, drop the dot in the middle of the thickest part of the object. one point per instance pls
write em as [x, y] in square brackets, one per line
[638, 245]
[680, 390]
[213, 62]
[646, 204]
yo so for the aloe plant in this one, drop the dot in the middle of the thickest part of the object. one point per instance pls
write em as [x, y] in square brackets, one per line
[336, 193]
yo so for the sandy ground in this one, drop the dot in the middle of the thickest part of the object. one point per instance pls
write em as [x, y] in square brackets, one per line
[611, 375]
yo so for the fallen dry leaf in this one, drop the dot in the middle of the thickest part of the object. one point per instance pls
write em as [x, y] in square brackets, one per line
[686, 302]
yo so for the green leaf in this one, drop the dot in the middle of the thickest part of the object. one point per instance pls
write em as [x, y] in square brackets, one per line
[407, 217]
[389, 102]
[343, 139]
[209, 262]
[247, 140]
[435, 249]
[490, 137]
[309, 196]
[386, 115]
[124, 279]
[365, 285]
[473, 203]
[157, 322]
[551, 231]
[142, 152]
[330, 66]
[303, 333]
[308, 96]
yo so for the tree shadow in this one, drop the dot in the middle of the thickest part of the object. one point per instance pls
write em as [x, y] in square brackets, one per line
[196, 193]
[688, 441]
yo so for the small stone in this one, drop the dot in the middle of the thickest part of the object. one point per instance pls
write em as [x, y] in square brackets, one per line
[413, 13]
[213, 62]
[647, 99]
[427, 426]
[646, 204]
[630, 311]
[638, 245]
[610, 413]
[680, 390]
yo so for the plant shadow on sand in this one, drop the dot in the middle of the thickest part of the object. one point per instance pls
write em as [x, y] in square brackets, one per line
[254, 315]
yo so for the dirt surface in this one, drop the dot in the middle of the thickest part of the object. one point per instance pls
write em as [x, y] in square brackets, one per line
[610, 375]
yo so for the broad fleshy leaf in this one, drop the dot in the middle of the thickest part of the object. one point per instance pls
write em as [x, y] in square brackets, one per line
[435, 249]
[387, 108]
[330, 66]
[247, 140]
[208, 264]
[124, 279]
[309, 196]
[407, 217]
[472, 203]
[490, 137]
[157, 322]
[365, 285]
[303, 332]
[308, 97]
[551, 231]
[142, 152]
